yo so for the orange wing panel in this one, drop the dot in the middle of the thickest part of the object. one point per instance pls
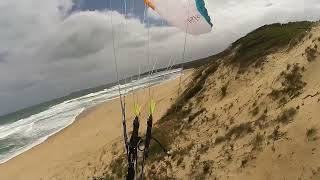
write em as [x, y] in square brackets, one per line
[147, 2]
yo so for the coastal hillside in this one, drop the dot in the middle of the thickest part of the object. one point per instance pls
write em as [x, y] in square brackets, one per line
[251, 113]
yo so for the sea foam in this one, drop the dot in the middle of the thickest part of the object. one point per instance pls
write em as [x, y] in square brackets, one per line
[23, 134]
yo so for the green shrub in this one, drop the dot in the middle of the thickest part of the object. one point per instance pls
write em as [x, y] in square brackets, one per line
[239, 131]
[256, 45]
[224, 89]
[287, 116]
[311, 53]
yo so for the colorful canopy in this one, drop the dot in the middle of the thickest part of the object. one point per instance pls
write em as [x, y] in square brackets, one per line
[190, 16]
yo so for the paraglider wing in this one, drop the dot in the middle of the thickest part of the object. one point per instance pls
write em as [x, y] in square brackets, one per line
[188, 15]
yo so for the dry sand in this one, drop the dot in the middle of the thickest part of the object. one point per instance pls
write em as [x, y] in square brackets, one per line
[246, 134]
[79, 151]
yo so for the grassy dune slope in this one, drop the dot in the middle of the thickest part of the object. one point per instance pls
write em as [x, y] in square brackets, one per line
[252, 113]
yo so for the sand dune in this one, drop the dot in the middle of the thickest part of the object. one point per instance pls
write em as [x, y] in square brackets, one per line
[245, 122]
[236, 122]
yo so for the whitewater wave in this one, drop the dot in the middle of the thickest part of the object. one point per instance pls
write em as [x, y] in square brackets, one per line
[23, 134]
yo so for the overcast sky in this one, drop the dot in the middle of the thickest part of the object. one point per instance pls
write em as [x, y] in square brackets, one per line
[51, 48]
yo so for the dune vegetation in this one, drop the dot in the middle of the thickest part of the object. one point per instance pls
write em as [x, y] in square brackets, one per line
[250, 113]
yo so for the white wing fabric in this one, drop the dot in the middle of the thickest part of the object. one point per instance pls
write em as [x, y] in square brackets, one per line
[190, 16]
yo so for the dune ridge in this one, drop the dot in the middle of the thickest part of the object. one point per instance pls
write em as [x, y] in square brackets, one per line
[252, 113]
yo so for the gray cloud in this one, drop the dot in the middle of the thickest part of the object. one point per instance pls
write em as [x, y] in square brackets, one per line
[3, 57]
[21, 86]
[81, 35]
[50, 52]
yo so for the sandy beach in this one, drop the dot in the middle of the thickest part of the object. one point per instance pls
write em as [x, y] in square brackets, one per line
[232, 122]
[76, 151]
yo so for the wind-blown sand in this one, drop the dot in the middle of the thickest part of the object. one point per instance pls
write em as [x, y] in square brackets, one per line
[77, 151]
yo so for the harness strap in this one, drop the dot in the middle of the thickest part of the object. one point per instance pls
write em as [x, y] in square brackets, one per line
[148, 135]
[147, 143]
[133, 149]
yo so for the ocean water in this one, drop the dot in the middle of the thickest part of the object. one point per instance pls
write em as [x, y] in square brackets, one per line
[25, 129]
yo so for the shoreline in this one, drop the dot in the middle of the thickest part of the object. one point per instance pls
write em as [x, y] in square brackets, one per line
[42, 140]
[74, 119]
[69, 143]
